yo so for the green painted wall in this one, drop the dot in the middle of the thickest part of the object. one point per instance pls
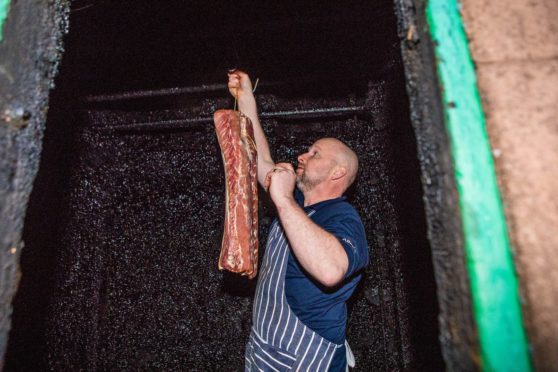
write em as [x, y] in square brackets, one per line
[494, 286]
[4, 5]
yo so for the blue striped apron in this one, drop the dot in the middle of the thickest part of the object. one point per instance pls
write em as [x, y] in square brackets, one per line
[279, 341]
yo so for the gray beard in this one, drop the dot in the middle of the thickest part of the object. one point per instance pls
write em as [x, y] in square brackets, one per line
[305, 183]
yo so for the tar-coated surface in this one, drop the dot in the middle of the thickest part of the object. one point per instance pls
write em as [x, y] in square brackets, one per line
[137, 286]
[124, 229]
[30, 53]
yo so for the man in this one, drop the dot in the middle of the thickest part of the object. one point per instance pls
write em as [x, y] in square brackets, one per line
[314, 254]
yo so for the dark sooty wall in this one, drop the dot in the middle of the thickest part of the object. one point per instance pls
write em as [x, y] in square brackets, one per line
[124, 227]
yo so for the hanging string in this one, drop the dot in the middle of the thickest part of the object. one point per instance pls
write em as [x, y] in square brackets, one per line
[251, 141]
[255, 85]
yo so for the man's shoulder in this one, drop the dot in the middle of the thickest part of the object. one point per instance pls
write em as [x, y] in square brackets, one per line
[342, 219]
[341, 208]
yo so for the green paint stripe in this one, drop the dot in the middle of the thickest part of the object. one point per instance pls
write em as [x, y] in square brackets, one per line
[4, 5]
[490, 266]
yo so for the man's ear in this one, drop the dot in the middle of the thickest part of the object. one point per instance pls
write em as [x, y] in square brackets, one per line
[339, 171]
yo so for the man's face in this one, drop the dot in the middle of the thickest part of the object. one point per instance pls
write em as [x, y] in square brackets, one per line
[314, 166]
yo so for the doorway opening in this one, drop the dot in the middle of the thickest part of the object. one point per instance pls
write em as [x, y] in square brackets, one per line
[124, 224]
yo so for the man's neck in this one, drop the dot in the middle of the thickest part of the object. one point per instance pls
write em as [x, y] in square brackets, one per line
[311, 197]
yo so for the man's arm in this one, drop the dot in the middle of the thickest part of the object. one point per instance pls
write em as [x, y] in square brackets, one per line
[240, 87]
[318, 251]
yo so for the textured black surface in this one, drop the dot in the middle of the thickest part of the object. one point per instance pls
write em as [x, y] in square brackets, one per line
[124, 229]
[137, 285]
[29, 56]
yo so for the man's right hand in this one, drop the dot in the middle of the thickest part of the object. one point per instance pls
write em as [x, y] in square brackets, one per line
[280, 182]
[239, 84]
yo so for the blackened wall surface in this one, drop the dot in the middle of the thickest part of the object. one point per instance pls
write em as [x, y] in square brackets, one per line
[29, 55]
[138, 237]
[142, 248]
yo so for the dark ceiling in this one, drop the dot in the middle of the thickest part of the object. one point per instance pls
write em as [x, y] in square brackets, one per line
[137, 45]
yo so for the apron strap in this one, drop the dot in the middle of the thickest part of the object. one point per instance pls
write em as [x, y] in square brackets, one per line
[350, 356]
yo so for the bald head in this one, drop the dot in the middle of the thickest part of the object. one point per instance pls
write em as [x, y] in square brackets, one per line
[343, 156]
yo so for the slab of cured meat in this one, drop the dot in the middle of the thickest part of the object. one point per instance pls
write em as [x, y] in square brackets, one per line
[239, 250]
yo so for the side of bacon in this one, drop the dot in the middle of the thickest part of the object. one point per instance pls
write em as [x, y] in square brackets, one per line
[239, 249]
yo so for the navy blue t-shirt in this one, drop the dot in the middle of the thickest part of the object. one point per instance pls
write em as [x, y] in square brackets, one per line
[321, 309]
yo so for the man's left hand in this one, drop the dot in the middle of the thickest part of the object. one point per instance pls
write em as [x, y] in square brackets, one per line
[280, 182]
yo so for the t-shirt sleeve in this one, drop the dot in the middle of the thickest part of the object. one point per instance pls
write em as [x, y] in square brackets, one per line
[348, 229]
